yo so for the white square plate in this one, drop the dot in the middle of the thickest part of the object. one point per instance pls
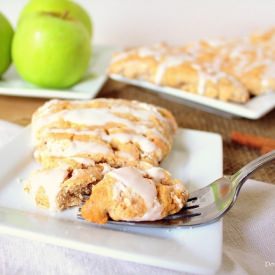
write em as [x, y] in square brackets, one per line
[196, 158]
[13, 85]
[255, 108]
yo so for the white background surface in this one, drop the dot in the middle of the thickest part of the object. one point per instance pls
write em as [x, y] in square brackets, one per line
[132, 22]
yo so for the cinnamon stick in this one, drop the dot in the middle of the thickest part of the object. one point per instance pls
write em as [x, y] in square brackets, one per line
[252, 141]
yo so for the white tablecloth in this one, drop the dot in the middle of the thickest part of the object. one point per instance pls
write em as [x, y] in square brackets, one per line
[249, 241]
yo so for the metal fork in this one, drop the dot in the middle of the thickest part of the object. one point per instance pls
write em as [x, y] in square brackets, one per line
[207, 204]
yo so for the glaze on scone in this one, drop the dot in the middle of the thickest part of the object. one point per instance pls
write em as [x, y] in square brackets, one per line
[230, 70]
[78, 142]
[115, 131]
[133, 194]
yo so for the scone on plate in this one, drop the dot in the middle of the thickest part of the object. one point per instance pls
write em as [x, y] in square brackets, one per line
[134, 194]
[110, 148]
[229, 70]
[194, 68]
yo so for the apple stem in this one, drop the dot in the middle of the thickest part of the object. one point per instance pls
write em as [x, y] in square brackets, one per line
[65, 15]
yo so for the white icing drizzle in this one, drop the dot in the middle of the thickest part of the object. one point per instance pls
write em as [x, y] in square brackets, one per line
[46, 120]
[67, 148]
[269, 70]
[129, 177]
[94, 132]
[171, 61]
[145, 144]
[141, 111]
[106, 168]
[51, 181]
[93, 117]
[152, 214]
[157, 173]
[176, 199]
[85, 161]
[157, 51]
[156, 133]
[102, 116]
[202, 82]
[125, 155]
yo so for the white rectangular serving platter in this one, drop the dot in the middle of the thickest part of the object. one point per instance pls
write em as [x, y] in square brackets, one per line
[196, 158]
[12, 85]
[255, 108]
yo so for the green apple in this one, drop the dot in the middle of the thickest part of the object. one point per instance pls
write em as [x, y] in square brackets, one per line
[6, 34]
[51, 50]
[61, 6]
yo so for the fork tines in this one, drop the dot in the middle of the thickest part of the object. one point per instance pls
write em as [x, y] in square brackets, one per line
[183, 213]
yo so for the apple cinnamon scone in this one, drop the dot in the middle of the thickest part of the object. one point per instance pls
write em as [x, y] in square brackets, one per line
[118, 132]
[134, 194]
[230, 70]
[107, 143]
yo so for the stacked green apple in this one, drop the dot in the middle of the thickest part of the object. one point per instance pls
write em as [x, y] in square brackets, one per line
[52, 44]
[6, 34]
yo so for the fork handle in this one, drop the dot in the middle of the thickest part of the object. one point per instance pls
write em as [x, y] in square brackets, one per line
[245, 172]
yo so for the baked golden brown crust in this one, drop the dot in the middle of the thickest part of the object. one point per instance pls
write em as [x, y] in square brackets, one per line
[229, 70]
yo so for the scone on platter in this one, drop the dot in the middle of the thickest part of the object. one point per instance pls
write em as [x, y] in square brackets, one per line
[107, 148]
[229, 70]
[134, 194]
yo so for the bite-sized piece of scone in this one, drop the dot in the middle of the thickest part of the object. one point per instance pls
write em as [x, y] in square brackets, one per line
[134, 194]
[62, 187]
[118, 132]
